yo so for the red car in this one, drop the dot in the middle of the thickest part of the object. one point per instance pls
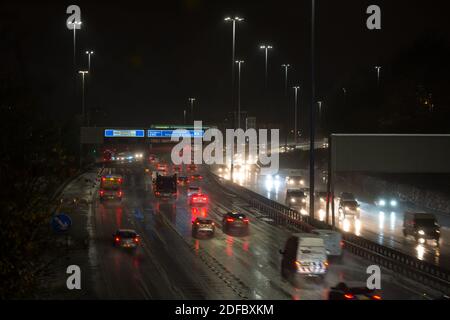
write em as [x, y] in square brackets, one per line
[198, 199]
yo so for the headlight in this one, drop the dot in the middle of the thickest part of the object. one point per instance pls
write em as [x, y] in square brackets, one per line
[293, 200]
[382, 202]
[421, 232]
[291, 182]
[322, 200]
[346, 208]
[359, 209]
[302, 182]
[220, 169]
[304, 212]
[393, 203]
[303, 200]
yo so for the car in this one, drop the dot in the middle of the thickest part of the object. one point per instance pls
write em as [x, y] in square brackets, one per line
[111, 193]
[203, 227]
[196, 177]
[297, 199]
[304, 255]
[235, 221]
[422, 226]
[193, 190]
[386, 202]
[198, 199]
[295, 181]
[343, 292]
[126, 238]
[183, 180]
[349, 208]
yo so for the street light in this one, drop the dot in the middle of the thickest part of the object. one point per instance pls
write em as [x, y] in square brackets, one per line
[191, 101]
[239, 62]
[83, 73]
[319, 103]
[266, 48]
[286, 67]
[378, 68]
[75, 24]
[233, 21]
[89, 53]
[296, 88]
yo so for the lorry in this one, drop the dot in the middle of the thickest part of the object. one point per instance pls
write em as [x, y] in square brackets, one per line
[165, 186]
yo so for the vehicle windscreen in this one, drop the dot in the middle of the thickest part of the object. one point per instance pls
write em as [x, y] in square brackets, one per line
[126, 234]
[299, 194]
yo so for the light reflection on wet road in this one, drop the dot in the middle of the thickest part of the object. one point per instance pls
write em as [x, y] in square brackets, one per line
[171, 264]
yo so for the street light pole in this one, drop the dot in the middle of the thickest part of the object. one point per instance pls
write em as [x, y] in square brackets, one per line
[312, 113]
[75, 24]
[286, 67]
[83, 115]
[296, 88]
[233, 52]
[89, 53]
[266, 49]
[191, 100]
[378, 68]
[239, 62]
[320, 112]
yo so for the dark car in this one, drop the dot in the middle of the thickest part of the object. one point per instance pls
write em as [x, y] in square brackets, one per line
[422, 226]
[297, 199]
[196, 177]
[126, 238]
[203, 227]
[343, 292]
[349, 208]
[235, 221]
[183, 180]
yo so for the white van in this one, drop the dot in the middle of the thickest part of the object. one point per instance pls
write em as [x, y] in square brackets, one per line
[304, 255]
[333, 242]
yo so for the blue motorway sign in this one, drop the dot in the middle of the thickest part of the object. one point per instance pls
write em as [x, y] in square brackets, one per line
[152, 133]
[61, 222]
[113, 133]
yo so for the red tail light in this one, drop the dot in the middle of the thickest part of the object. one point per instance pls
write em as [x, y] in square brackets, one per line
[136, 239]
[119, 193]
[117, 239]
[120, 180]
[230, 219]
[348, 296]
[103, 179]
[246, 220]
[102, 192]
[157, 193]
[194, 199]
[342, 244]
[200, 177]
[376, 297]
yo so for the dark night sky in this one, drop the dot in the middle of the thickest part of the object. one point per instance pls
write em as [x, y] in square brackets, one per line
[151, 56]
